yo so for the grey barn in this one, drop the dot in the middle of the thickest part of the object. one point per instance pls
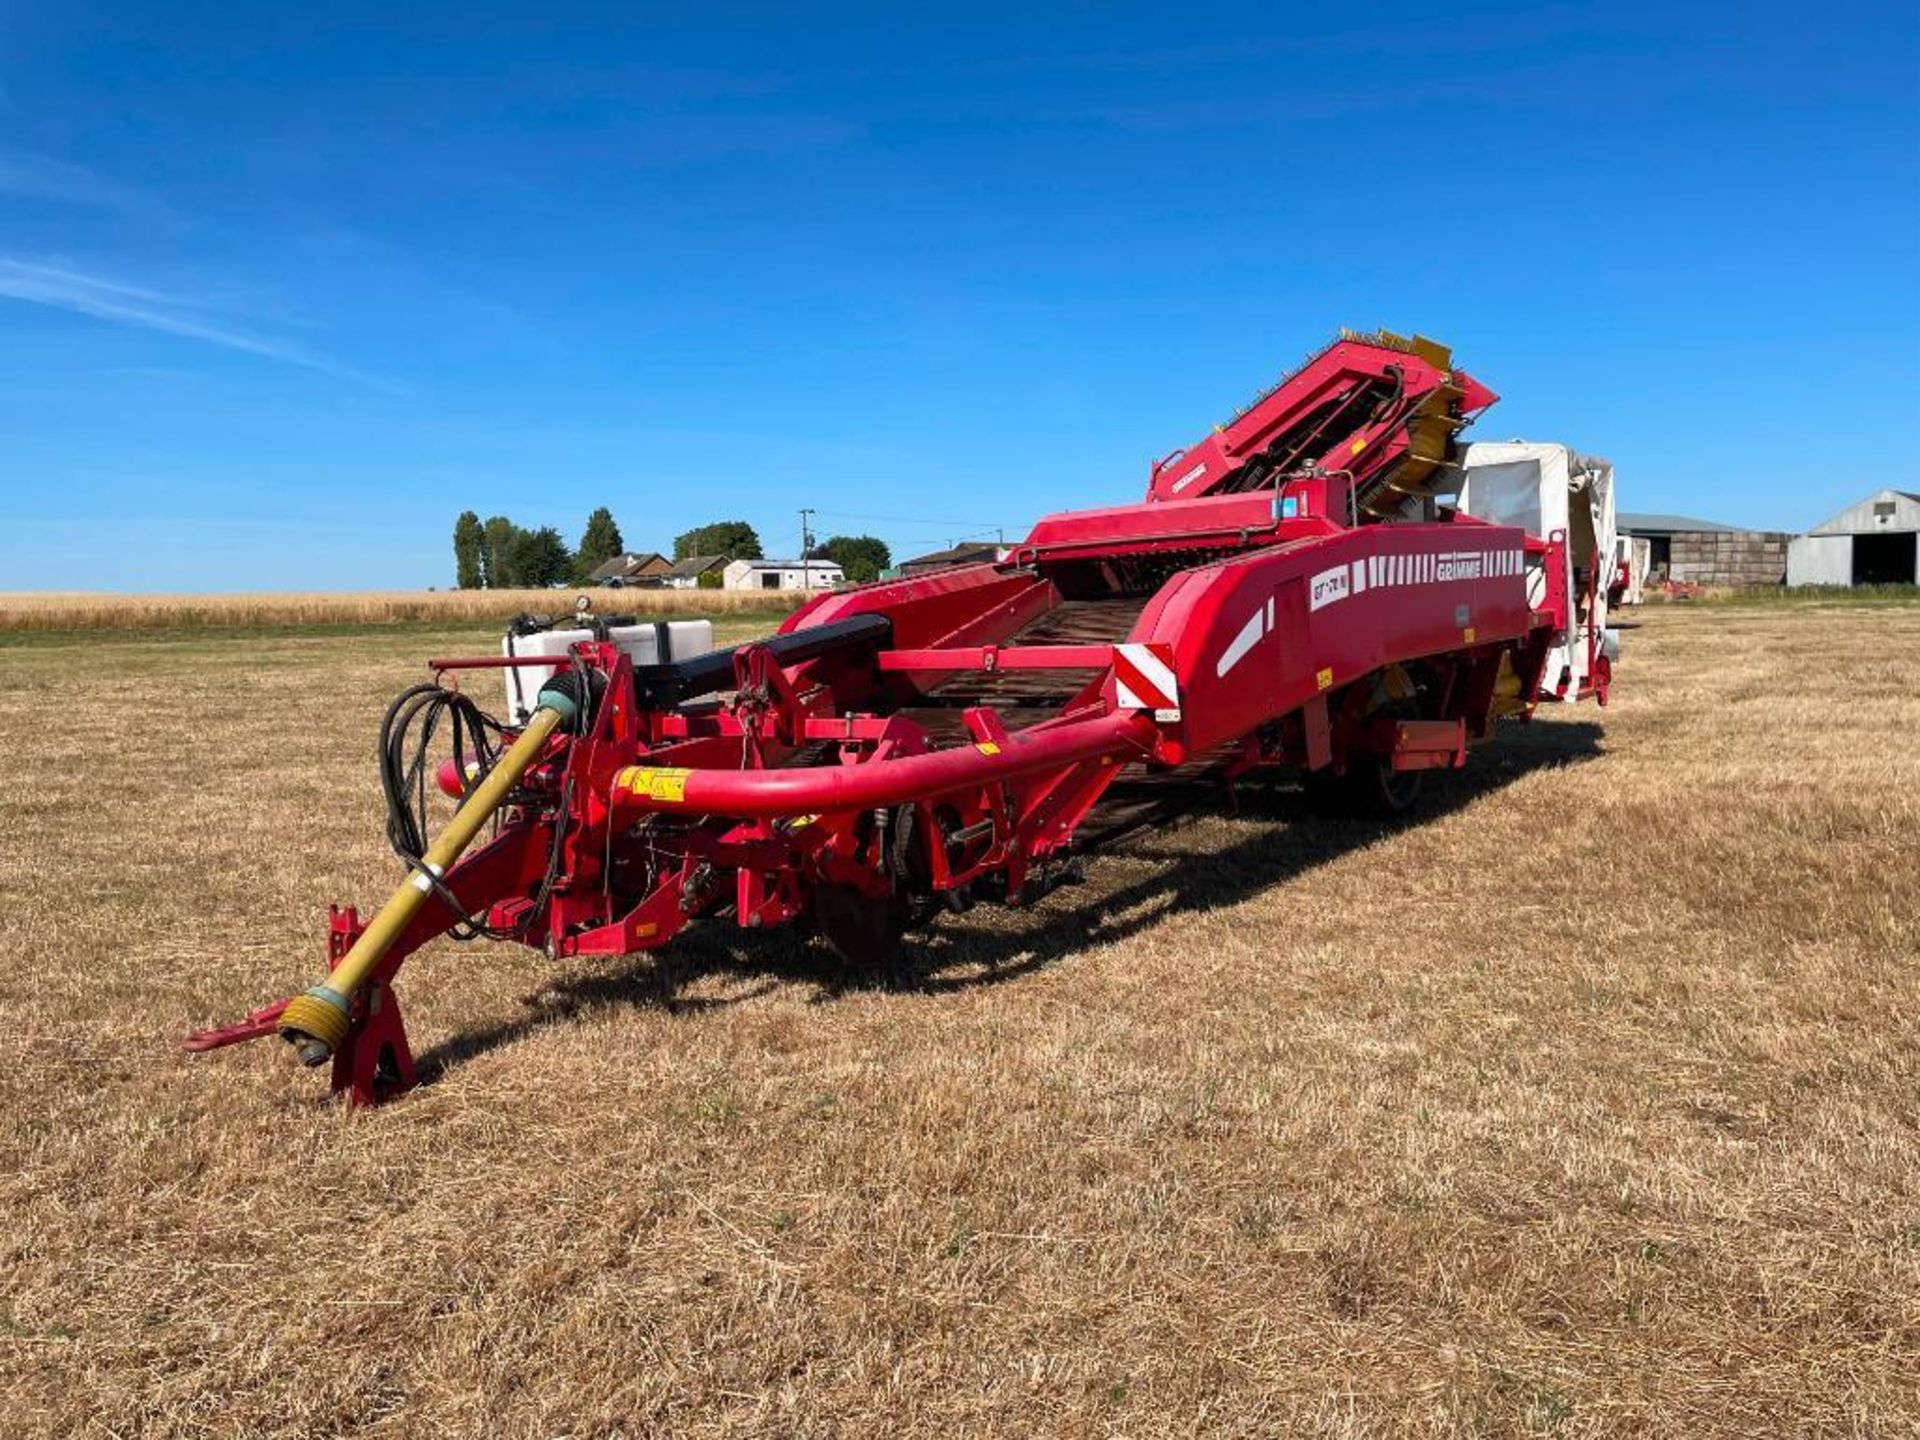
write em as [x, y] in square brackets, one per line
[1871, 543]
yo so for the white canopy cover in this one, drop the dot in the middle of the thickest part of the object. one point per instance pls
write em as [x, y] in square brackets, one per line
[1548, 490]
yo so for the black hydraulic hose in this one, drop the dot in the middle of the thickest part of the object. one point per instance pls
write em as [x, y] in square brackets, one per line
[405, 778]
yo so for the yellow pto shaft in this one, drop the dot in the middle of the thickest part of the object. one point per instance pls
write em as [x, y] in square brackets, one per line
[316, 1022]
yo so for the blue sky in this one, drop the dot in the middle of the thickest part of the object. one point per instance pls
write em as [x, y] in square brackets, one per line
[284, 288]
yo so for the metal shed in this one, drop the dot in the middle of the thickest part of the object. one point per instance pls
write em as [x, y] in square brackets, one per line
[1869, 543]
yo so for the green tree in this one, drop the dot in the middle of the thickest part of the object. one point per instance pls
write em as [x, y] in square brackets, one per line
[862, 557]
[469, 546]
[599, 543]
[499, 536]
[541, 558]
[732, 538]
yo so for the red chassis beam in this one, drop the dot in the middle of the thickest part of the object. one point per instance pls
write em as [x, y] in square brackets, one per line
[999, 657]
[838, 789]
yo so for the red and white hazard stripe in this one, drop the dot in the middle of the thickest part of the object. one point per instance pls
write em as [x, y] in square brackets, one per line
[1143, 679]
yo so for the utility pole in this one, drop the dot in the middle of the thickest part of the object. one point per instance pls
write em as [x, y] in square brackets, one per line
[806, 551]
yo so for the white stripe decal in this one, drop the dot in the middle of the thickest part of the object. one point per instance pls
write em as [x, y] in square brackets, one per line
[1155, 671]
[1248, 637]
[1149, 673]
[1426, 568]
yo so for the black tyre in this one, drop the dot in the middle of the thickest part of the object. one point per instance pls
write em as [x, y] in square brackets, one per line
[865, 929]
[1370, 789]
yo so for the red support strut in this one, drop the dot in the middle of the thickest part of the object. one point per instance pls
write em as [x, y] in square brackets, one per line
[374, 1063]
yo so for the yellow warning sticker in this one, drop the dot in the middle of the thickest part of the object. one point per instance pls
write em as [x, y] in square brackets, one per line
[1358, 446]
[987, 747]
[1466, 636]
[1325, 678]
[658, 782]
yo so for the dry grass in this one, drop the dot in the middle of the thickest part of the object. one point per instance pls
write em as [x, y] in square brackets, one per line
[1588, 1107]
[54, 611]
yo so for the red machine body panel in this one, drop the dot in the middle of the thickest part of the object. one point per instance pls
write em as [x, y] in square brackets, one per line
[1259, 636]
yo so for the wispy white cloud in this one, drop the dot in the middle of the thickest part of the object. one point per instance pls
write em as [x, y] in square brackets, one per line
[60, 288]
[41, 177]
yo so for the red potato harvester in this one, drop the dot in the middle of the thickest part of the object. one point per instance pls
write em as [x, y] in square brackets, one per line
[1291, 592]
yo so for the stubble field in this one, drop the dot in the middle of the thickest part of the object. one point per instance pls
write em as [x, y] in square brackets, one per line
[1590, 1105]
[57, 613]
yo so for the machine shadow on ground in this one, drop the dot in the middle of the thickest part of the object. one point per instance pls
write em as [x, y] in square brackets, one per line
[992, 946]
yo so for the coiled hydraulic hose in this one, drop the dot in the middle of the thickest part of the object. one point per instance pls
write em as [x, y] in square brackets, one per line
[413, 719]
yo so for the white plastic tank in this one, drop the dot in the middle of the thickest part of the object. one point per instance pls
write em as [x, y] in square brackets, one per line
[648, 644]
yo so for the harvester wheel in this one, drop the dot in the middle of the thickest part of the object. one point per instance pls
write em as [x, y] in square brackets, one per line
[910, 869]
[1371, 789]
[864, 929]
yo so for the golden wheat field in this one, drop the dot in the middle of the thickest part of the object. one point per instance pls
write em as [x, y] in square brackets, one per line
[1590, 1105]
[82, 610]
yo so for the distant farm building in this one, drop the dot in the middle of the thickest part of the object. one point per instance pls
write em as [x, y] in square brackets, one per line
[688, 573]
[1704, 552]
[1631, 556]
[970, 554]
[783, 575]
[636, 569]
[1870, 543]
